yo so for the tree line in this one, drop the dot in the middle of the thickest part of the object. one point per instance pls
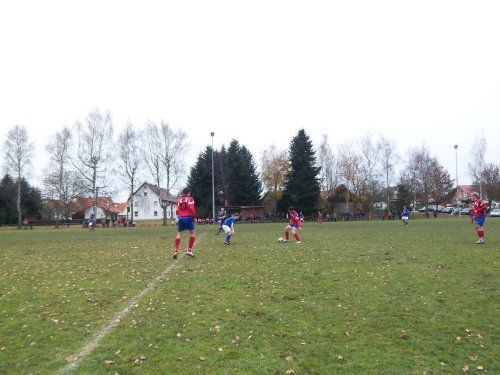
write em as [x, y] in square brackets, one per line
[81, 162]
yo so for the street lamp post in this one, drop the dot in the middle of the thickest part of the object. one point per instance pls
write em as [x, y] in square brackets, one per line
[213, 178]
[163, 204]
[456, 179]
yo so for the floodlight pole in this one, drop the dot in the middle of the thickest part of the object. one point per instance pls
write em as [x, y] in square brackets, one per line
[213, 178]
[456, 179]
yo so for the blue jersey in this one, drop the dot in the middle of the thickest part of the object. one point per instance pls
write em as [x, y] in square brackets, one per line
[230, 221]
[405, 212]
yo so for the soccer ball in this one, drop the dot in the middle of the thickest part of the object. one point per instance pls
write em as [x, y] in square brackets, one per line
[281, 239]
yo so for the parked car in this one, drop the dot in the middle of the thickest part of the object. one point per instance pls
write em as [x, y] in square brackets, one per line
[495, 212]
[465, 211]
[447, 210]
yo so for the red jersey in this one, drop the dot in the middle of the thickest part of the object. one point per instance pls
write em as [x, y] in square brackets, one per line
[479, 208]
[294, 219]
[185, 207]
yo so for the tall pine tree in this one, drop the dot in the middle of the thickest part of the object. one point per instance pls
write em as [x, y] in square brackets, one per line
[302, 188]
[200, 182]
[237, 182]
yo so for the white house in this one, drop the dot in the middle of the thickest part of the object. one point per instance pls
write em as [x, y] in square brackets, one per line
[145, 203]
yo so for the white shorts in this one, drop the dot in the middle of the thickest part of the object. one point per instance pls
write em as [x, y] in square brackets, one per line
[404, 218]
[226, 229]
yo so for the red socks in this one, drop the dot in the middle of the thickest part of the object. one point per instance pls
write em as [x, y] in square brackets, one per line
[480, 233]
[296, 237]
[176, 244]
[191, 243]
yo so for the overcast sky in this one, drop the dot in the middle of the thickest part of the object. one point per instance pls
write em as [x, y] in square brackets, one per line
[418, 72]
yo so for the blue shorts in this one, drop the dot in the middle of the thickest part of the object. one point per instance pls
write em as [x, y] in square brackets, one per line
[480, 220]
[185, 223]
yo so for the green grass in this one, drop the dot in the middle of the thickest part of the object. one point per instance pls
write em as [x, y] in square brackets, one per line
[354, 298]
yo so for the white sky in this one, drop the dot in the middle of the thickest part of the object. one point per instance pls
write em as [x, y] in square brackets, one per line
[418, 72]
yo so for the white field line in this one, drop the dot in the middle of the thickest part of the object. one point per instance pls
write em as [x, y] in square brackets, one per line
[75, 359]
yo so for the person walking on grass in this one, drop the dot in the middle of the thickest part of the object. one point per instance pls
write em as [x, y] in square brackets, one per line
[186, 213]
[405, 215]
[480, 210]
[293, 226]
[91, 223]
[228, 227]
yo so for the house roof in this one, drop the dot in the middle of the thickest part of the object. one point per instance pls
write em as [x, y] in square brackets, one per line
[160, 192]
[468, 189]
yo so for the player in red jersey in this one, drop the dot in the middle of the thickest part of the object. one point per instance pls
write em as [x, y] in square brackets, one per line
[294, 225]
[480, 210]
[185, 215]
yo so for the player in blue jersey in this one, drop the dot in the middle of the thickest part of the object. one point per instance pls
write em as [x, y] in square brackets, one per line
[228, 226]
[221, 216]
[405, 215]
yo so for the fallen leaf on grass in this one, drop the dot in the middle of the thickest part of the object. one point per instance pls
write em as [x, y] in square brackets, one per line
[480, 336]
[480, 368]
[465, 368]
[202, 358]
[404, 334]
[139, 361]
[109, 361]
[289, 358]
[473, 358]
[290, 372]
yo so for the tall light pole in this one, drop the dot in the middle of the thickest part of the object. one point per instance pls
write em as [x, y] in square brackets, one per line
[213, 178]
[456, 179]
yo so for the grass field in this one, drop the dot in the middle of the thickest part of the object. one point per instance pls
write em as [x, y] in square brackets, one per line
[354, 298]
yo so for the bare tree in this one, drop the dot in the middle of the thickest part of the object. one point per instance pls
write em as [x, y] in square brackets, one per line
[441, 185]
[93, 150]
[130, 157]
[419, 173]
[476, 166]
[152, 151]
[328, 165]
[491, 179]
[173, 142]
[274, 169]
[62, 183]
[388, 159]
[369, 173]
[349, 162]
[18, 157]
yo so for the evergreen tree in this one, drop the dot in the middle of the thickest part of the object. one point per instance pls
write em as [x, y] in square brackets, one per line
[200, 182]
[30, 200]
[8, 213]
[302, 187]
[244, 187]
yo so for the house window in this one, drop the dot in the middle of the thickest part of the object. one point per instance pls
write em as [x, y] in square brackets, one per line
[155, 203]
[136, 213]
[155, 213]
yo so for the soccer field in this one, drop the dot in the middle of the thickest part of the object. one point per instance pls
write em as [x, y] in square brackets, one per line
[353, 298]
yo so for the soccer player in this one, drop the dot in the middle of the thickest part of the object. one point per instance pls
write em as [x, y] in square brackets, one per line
[320, 217]
[405, 215]
[479, 216]
[228, 227]
[91, 223]
[221, 216]
[294, 225]
[185, 214]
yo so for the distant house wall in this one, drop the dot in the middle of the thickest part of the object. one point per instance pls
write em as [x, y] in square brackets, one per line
[147, 204]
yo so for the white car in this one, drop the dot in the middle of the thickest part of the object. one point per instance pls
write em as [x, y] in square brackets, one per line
[495, 212]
